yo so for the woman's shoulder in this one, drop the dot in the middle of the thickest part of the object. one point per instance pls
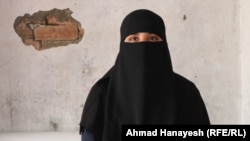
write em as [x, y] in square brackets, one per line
[97, 91]
[102, 84]
[183, 81]
[186, 87]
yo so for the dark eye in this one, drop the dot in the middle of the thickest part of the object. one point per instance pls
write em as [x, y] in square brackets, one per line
[132, 39]
[155, 38]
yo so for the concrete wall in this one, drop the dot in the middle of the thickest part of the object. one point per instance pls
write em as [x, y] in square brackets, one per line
[46, 90]
[245, 57]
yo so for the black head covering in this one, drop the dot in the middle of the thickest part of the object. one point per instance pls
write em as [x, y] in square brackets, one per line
[142, 21]
[141, 87]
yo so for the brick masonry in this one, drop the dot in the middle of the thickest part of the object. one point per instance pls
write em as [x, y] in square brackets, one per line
[61, 33]
[46, 29]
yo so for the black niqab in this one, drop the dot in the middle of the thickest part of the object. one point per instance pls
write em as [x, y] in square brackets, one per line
[141, 87]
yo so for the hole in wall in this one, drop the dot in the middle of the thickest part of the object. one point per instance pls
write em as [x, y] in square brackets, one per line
[47, 29]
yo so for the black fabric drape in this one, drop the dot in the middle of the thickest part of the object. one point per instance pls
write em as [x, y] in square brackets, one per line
[141, 87]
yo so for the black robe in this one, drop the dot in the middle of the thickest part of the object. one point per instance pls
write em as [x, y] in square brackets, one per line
[141, 87]
[191, 108]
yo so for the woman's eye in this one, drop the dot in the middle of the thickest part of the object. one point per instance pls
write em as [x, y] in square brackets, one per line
[154, 38]
[133, 39]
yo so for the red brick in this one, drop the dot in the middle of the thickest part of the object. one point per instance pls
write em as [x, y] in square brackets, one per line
[60, 32]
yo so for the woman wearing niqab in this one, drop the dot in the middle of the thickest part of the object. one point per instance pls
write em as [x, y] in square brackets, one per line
[141, 87]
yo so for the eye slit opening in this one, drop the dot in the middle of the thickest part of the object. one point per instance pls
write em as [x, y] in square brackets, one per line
[143, 37]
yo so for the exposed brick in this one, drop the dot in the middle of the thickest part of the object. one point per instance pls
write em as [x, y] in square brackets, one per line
[46, 29]
[67, 33]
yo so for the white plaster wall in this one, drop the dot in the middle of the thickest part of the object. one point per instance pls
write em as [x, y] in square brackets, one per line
[40, 136]
[245, 57]
[46, 90]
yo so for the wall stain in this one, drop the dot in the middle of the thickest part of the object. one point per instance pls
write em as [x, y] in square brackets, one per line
[54, 125]
[184, 17]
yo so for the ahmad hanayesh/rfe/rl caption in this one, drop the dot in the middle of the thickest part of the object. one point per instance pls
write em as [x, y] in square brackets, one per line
[164, 132]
